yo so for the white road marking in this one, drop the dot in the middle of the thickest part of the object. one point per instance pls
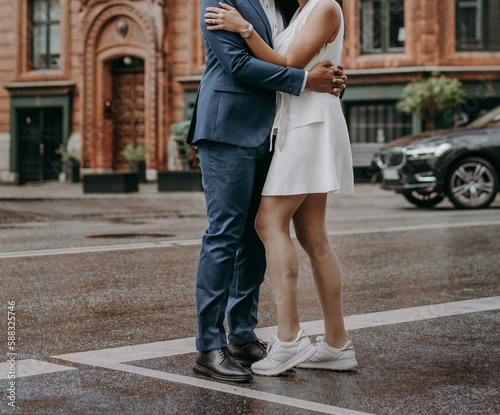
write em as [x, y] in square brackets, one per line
[193, 242]
[381, 318]
[422, 227]
[237, 390]
[31, 367]
[115, 358]
[87, 249]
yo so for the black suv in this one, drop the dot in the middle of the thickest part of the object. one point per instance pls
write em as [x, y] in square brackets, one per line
[463, 164]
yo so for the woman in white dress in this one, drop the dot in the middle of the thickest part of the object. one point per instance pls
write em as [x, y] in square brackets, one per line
[312, 158]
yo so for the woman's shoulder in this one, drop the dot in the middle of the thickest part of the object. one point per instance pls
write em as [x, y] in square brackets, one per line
[330, 5]
[327, 9]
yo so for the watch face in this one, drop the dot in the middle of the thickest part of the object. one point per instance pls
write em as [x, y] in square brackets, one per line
[246, 34]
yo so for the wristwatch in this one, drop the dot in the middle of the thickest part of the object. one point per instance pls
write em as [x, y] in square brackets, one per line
[246, 34]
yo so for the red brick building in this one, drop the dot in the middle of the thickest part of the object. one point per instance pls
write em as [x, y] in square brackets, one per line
[99, 74]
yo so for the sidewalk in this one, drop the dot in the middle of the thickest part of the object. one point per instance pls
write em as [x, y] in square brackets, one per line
[69, 191]
[74, 191]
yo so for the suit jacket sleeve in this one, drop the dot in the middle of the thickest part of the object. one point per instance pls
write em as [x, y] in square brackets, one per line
[241, 65]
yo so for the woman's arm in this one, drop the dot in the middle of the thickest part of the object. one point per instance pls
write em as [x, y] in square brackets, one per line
[228, 18]
[320, 28]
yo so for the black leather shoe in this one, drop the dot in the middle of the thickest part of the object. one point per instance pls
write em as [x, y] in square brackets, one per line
[219, 364]
[248, 354]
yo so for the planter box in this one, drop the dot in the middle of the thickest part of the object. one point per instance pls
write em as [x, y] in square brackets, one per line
[71, 170]
[111, 183]
[138, 167]
[179, 181]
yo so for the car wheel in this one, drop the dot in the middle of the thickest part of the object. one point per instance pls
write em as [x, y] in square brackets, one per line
[472, 183]
[426, 200]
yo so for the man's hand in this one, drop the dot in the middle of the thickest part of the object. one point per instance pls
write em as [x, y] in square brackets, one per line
[324, 77]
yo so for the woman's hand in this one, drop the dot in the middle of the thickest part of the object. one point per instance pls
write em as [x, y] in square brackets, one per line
[225, 18]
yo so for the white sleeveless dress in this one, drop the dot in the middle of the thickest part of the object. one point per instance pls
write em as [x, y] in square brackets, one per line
[312, 150]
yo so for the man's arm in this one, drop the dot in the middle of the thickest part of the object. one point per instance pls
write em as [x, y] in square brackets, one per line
[240, 64]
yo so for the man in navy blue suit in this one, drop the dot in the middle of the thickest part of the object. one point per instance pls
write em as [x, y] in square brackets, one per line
[231, 126]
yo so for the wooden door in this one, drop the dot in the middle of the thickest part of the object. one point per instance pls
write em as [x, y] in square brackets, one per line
[127, 114]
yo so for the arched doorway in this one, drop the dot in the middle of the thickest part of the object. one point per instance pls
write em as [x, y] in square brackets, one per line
[126, 110]
[121, 69]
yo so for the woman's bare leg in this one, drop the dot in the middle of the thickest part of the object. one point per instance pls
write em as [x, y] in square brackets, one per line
[309, 223]
[273, 226]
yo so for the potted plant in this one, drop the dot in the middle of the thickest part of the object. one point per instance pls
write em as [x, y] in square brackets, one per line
[187, 154]
[136, 159]
[70, 158]
[430, 97]
[185, 172]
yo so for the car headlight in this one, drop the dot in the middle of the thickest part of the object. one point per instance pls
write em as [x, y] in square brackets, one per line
[427, 151]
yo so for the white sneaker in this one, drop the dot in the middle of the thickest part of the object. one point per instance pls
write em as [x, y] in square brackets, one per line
[282, 356]
[329, 358]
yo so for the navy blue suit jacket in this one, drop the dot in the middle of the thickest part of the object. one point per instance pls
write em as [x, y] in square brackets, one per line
[236, 100]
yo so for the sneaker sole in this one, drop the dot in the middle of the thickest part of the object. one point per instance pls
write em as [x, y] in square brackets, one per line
[200, 370]
[296, 360]
[342, 365]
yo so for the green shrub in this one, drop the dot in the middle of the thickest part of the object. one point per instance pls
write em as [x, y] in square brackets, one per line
[133, 153]
[430, 97]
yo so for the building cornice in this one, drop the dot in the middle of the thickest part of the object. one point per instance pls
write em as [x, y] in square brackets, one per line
[40, 87]
[385, 71]
[39, 84]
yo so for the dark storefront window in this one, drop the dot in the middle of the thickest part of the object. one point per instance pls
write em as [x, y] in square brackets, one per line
[478, 25]
[377, 123]
[45, 34]
[382, 26]
[40, 133]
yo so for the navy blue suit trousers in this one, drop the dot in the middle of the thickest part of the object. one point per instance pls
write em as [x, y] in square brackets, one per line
[232, 259]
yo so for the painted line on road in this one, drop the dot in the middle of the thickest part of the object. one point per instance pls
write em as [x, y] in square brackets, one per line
[194, 242]
[355, 322]
[237, 390]
[115, 358]
[30, 367]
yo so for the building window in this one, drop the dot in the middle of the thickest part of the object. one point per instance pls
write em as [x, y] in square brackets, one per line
[477, 25]
[382, 26]
[198, 54]
[377, 123]
[45, 34]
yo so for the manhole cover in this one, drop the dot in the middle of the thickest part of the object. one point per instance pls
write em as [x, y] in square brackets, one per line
[131, 235]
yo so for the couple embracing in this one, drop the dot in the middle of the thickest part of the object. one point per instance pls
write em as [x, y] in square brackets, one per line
[272, 142]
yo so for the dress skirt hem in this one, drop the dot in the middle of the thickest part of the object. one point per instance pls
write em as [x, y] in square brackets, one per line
[309, 191]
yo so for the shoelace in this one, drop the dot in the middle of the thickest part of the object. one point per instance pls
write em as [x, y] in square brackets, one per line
[224, 354]
[262, 345]
[271, 342]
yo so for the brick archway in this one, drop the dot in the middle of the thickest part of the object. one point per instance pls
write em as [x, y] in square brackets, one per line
[118, 30]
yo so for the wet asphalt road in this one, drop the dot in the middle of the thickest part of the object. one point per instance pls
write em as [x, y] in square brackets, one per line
[94, 273]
